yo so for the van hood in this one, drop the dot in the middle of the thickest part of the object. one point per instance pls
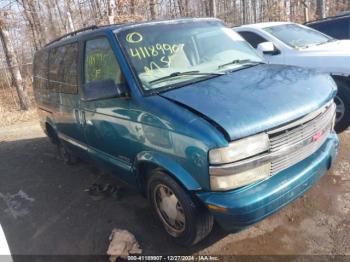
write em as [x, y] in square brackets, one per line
[256, 99]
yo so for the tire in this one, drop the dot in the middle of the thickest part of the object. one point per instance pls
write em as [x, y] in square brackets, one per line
[342, 100]
[50, 132]
[67, 157]
[193, 222]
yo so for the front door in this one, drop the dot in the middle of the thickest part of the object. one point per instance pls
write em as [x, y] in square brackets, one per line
[107, 120]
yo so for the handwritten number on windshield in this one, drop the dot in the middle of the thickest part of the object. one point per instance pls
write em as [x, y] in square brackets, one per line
[162, 51]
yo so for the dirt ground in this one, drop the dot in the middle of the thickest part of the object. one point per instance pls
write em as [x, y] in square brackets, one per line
[44, 209]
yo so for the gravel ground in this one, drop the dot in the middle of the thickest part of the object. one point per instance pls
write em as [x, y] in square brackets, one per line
[44, 209]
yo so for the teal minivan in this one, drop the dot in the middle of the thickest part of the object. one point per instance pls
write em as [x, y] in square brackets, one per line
[188, 113]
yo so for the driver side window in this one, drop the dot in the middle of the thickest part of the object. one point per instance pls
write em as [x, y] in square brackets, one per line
[253, 39]
[100, 62]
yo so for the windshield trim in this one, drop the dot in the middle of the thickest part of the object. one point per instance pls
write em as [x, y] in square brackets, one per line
[286, 43]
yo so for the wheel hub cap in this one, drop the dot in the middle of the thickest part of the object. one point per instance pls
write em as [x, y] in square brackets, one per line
[169, 209]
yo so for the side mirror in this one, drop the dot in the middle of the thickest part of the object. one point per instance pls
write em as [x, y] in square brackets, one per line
[267, 48]
[103, 89]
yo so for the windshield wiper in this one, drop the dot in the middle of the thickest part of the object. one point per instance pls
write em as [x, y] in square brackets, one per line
[186, 73]
[241, 62]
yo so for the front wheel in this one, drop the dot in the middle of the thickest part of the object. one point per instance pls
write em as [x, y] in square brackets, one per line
[183, 217]
[342, 101]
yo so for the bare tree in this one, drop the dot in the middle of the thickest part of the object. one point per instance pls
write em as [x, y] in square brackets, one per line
[152, 8]
[321, 8]
[212, 8]
[29, 18]
[244, 14]
[32, 12]
[12, 63]
[53, 32]
[69, 12]
[64, 25]
[132, 7]
[110, 12]
[306, 10]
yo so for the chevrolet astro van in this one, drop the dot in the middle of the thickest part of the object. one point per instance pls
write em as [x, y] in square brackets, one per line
[186, 111]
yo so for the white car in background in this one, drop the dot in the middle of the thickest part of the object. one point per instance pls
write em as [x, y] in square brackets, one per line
[294, 44]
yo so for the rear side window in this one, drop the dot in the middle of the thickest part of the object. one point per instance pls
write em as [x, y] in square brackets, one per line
[55, 68]
[100, 62]
[70, 69]
[41, 70]
[253, 39]
[63, 72]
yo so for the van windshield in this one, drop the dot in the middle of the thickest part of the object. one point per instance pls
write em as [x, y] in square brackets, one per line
[164, 54]
[298, 36]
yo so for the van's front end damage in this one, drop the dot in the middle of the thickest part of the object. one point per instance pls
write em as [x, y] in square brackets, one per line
[236, 209]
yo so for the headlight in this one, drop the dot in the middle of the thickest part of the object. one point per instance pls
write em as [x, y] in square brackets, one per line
[222, 183]
[240, 149]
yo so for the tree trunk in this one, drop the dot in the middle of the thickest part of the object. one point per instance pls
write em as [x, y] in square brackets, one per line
[181, 7]
[98, 7]
[152, 8]
[321, 8]
[52, 28]
[132, 7]
[212, 8]
[69, 11]
[70, 21]
[40, 31]
[83, 23]
[110, 12]
[29, 18]
[64, 25]
[13, 66]
[254, 10]
[244, 12]
[94, 11]
[306, 11]
[187, 11]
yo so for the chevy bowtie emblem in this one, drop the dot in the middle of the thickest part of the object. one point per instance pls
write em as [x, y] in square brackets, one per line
[317, 136]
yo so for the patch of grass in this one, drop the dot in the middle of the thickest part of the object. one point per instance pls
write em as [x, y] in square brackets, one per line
[19, 116]
[10, 113]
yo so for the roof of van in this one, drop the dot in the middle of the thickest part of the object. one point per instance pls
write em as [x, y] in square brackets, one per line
[72, 36]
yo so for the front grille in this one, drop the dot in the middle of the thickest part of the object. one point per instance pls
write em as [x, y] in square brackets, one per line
[301, 136]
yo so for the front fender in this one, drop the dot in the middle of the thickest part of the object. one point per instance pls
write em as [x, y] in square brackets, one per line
[172, 167]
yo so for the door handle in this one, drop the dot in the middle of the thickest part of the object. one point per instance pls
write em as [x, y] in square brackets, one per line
[76, 115]
[83, 119]
[79, 116]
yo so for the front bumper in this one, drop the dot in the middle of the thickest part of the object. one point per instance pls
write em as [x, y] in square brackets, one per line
[243, 207]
